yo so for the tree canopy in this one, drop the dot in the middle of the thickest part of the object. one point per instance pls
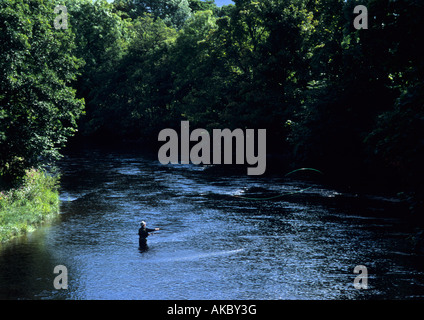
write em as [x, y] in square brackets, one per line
[38, 104]
[346, 101]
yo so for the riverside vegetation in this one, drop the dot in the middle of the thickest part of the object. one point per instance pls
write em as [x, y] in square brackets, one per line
[34, 202]
[347, 102]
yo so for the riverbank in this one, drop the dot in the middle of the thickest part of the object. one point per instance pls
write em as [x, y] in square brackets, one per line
[24, 208]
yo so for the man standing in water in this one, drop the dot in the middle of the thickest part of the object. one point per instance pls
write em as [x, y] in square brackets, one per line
[143, 233]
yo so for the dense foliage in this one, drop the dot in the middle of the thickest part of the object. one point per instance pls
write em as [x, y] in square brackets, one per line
[38, 108]
[348, 102]
[34, 202]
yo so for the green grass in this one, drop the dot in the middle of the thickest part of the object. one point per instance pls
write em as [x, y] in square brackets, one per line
[24, 208]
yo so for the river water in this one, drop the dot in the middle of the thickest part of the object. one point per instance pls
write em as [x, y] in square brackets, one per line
[213, 244]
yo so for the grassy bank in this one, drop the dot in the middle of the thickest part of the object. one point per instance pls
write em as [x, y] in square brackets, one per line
[23, 208]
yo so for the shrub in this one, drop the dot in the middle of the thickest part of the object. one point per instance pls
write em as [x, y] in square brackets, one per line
[25, 207]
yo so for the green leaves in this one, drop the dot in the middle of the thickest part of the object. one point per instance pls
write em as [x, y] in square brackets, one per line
[37, 99]
[173, 12]
[352, 96]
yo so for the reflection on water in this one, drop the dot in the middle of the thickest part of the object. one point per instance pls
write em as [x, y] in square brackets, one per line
[212, 244]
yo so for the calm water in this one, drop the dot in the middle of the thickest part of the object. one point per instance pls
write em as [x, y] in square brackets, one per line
[212, 244]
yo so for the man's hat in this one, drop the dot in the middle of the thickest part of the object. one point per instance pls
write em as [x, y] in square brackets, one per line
[142, 223]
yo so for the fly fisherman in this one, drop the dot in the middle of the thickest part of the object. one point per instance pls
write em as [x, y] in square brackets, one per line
[143, 233]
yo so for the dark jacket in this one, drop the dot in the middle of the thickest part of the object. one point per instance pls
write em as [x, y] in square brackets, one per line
[143, 232]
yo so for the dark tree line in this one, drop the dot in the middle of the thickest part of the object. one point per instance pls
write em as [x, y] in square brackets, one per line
[348, 102]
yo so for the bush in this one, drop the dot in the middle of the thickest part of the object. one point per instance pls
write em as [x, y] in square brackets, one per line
[23, 208]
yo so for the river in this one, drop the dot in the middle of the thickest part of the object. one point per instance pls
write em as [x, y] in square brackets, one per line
[213, 244]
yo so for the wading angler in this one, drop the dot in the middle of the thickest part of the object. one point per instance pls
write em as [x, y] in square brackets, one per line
[200, 153]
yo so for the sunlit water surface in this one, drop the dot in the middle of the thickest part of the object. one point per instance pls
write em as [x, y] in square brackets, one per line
[212, 243]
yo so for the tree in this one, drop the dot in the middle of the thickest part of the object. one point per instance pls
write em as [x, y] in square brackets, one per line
[361, 114]
[101, 38]
[198, 83]
[199, 5]
[38, 107]
[134, 102]
[250, 67]
[173, 12]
